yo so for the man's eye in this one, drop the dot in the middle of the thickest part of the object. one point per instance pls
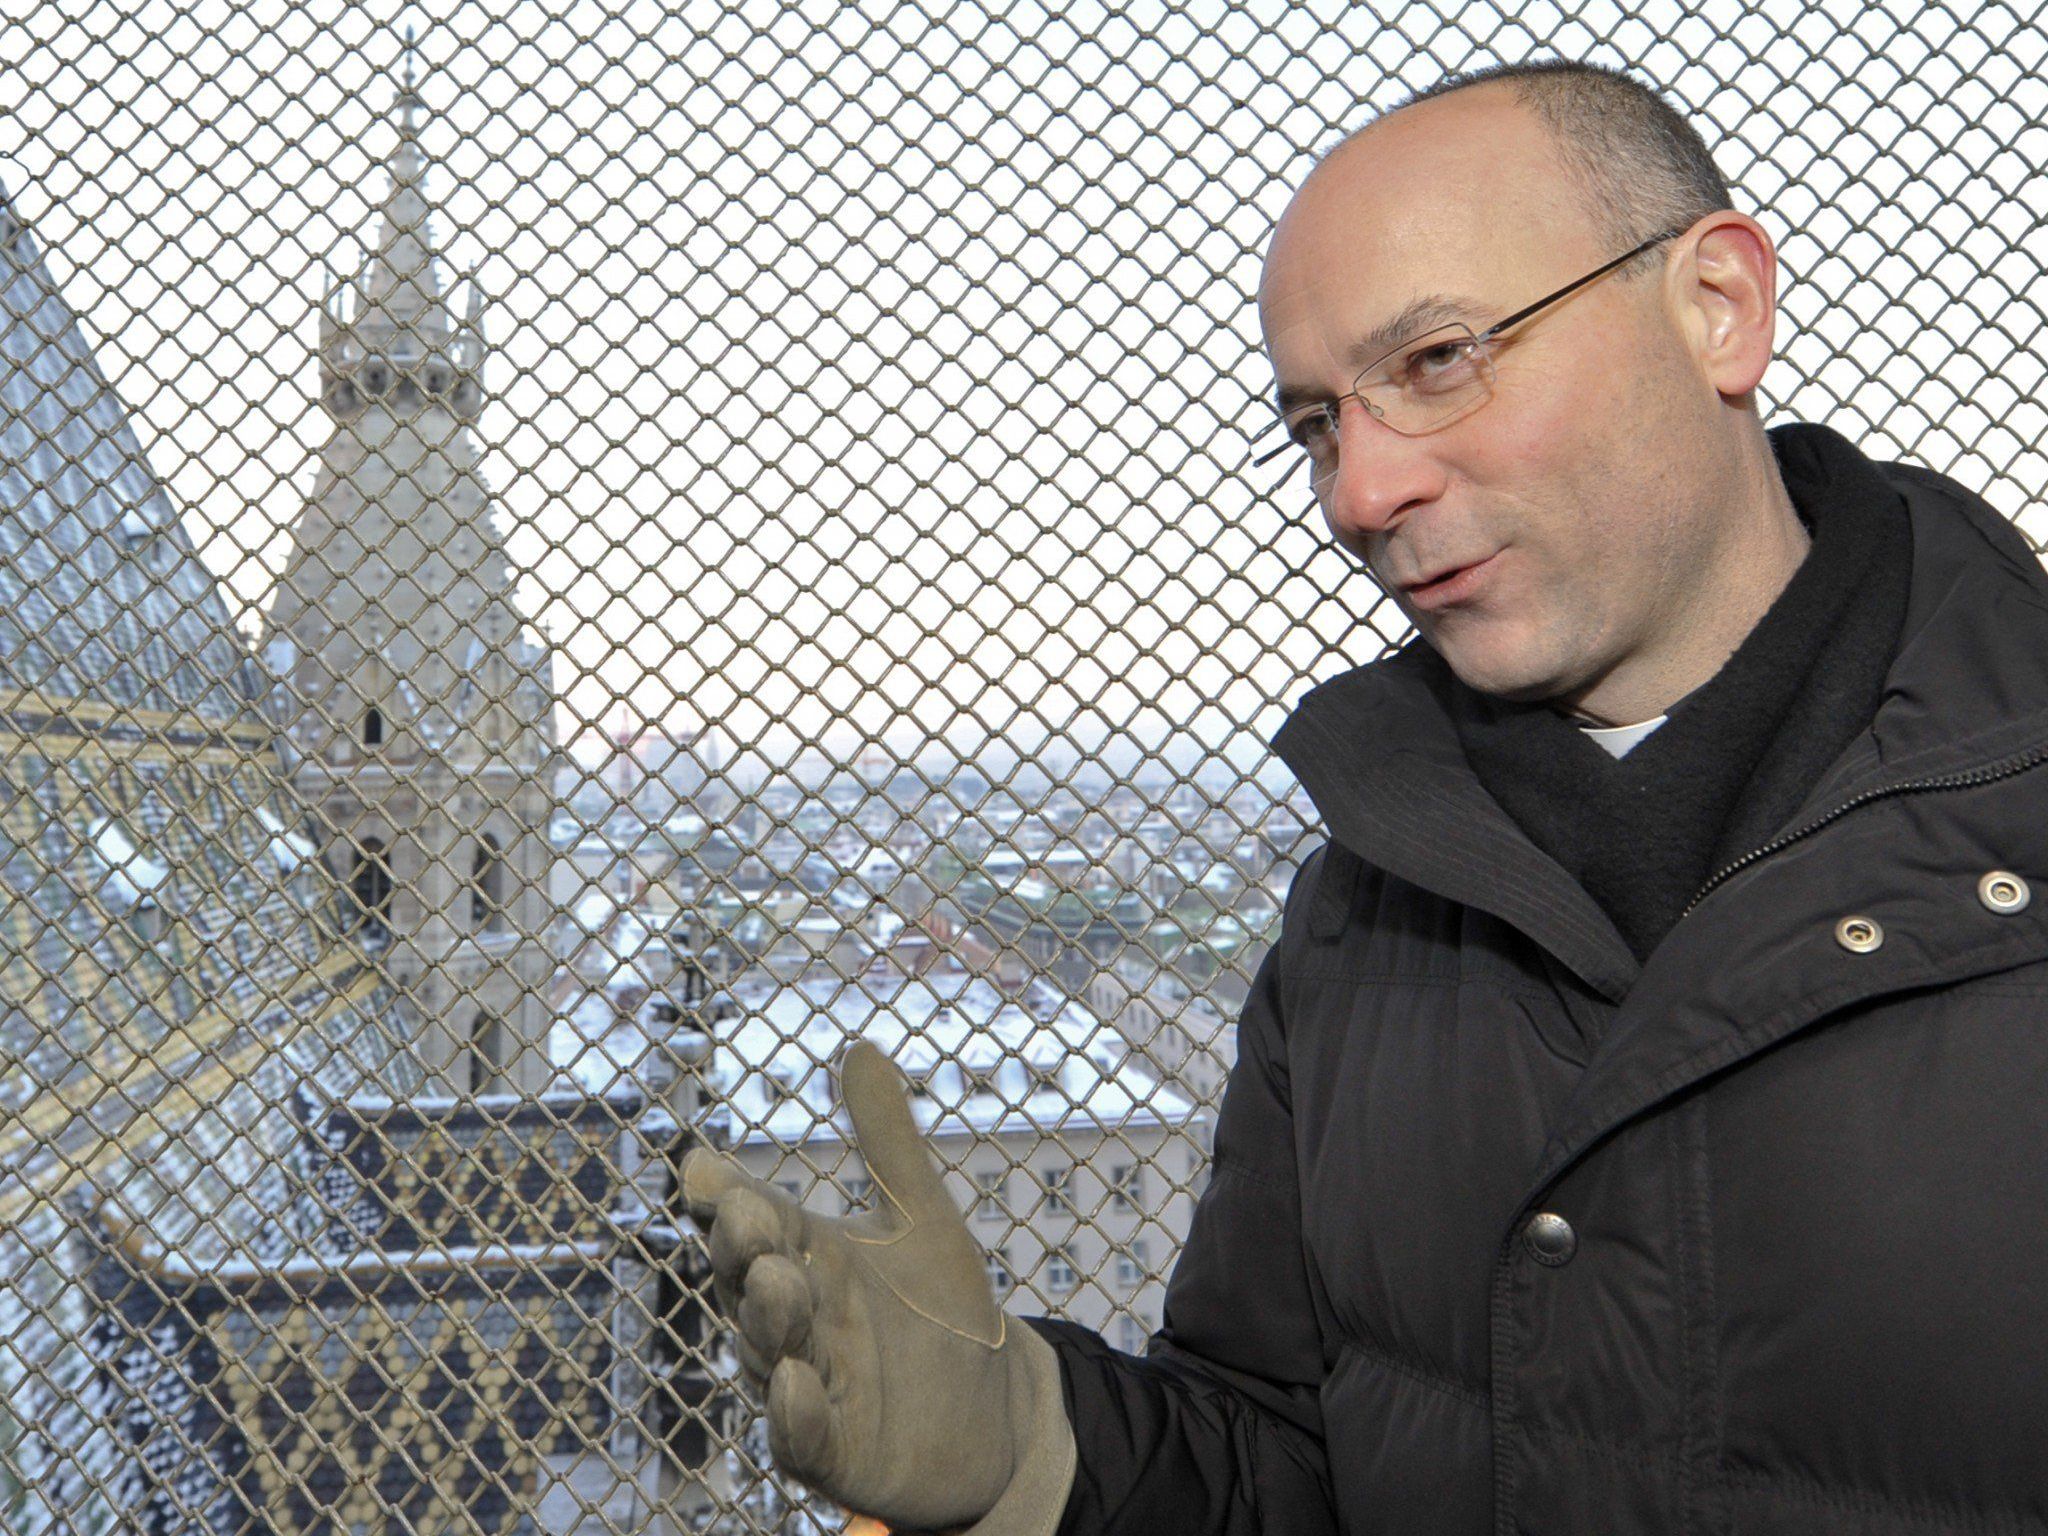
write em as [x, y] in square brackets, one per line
[1438, 365]
[1310, 427]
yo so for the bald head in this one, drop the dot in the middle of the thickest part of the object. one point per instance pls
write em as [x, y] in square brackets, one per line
[1635, 165]
[1467, 185]
[1514, 176]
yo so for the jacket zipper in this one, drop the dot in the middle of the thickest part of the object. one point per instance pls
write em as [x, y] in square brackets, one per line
[1970, 780]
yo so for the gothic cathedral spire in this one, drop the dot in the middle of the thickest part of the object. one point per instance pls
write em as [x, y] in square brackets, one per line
[418, 701]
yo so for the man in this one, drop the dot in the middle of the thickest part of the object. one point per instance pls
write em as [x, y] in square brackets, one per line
[1641, 1124]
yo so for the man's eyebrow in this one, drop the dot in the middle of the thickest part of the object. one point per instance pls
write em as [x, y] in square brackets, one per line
[1425, 313]
[1412, 319]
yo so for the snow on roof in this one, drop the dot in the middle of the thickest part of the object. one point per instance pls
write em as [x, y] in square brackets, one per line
[288, 847]
[604, 1051]
[595, 909]
[988, 1065]
[132, 877]
[878, 861]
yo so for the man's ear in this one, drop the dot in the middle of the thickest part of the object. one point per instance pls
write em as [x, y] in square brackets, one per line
[1729, 300]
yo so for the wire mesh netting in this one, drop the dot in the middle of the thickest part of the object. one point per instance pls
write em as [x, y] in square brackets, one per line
[563, 561]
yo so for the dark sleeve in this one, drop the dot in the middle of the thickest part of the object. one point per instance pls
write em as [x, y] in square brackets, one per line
[1218, 1430]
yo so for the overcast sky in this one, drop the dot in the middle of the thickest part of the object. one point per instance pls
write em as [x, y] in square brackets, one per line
[864, 374]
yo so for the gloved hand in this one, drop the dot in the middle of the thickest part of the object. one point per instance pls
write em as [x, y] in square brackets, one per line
[895, 1385]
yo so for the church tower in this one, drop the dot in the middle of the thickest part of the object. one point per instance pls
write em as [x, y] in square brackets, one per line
[418, 704]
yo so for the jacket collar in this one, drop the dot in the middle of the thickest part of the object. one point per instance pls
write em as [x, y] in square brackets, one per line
[1378, 755]
[1384, 766]
[1940, 789]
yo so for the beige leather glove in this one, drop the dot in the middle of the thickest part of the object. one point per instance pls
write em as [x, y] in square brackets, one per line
[895, 1385]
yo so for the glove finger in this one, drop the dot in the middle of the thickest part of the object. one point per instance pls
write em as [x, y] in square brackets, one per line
[775, 1309]
[877, 1099]
[706, 1176]
[757, 1369]
[745, 1226]
[801, 1423]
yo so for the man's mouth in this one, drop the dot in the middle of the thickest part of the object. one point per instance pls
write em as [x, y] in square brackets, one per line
[1448, 584]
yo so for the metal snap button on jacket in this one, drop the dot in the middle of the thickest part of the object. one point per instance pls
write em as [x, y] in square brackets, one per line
[1550, 1238]
[1859, 935]
[2004, 891]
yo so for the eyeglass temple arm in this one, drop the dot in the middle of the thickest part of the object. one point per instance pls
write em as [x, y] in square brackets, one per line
[1570, 288]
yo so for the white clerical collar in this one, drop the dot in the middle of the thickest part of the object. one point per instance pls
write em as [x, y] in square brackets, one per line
[1618, 739]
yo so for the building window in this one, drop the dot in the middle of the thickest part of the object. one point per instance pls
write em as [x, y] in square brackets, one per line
[479, 1051]
[791, 1188]
[373, 727]
[983, 1076]
[1059, 1191]
[1002, 1280]
[370, 883]
[1131, 1335]
[993, 1194]
[860, 1194]
[1133, 1263]
[1126, 1185]
[1060, 1275]
[489, 1055]
[487, 886]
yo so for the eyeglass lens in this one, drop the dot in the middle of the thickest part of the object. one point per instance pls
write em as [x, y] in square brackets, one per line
[1421, 386]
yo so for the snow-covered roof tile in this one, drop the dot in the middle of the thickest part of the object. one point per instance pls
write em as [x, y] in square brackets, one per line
[989, 1066]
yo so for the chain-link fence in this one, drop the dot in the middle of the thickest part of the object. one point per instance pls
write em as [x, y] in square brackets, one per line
[565, 558]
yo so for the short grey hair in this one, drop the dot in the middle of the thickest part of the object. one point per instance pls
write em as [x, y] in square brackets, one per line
[1640, 167]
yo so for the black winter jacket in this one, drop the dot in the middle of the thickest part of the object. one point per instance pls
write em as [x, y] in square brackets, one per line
[1506, 1233]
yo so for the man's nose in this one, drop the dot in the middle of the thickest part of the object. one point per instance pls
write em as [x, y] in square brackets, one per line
[1379, 474]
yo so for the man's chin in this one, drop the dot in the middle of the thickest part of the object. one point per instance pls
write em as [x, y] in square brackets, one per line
[1501, 671]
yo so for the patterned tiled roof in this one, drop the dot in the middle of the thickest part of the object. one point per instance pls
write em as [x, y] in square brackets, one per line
[101, 594]
[175, 999]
